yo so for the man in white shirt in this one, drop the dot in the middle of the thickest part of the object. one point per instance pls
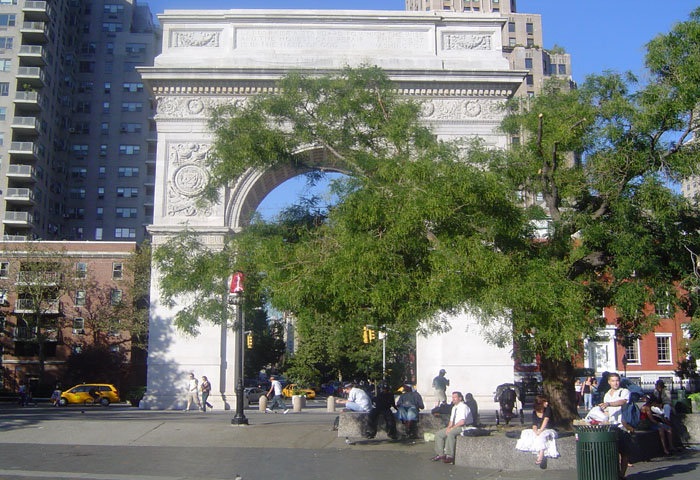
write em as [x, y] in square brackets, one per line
[192, 392]
[277, 400]
[446, 440]
[612, 404]
[357, 401]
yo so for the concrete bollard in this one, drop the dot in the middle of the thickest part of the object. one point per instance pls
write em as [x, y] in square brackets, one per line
[296, 403]
[330, 404]
[262, 403]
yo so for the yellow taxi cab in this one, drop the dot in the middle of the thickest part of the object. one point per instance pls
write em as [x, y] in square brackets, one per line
[101, 393]
[294, 389]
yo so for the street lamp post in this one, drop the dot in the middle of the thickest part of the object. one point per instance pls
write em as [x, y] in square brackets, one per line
[235, 298]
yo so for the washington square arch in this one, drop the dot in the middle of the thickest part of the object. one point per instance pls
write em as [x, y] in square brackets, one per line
[452, 64]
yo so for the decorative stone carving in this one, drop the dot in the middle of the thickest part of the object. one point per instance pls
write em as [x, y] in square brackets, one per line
[187, 162]
[465, 41]
[195, 39]
[461, 109]
[192, 106]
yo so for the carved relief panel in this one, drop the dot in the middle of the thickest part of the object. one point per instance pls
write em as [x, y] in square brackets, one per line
[187, 177]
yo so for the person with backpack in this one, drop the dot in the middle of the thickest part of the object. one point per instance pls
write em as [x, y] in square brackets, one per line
[615, 398]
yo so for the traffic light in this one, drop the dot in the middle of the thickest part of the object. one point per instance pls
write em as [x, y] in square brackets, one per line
[249, 340]
[372, 335]
[365, 334]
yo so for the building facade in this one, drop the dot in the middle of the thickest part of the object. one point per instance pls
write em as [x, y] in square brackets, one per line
[79, 297]
[77, 138]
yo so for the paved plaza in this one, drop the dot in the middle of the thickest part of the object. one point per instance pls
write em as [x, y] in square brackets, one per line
[120, 443]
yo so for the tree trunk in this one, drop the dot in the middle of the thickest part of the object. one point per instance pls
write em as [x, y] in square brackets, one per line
[558, 381]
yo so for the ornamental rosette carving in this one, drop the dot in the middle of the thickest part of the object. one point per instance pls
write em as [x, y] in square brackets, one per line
[192, 106]
[187, 179]
[464, 41]
[195, 39]
[461, 109]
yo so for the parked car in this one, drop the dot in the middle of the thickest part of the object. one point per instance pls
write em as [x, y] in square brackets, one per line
[252, 394]
[101, 393]
[293, 388]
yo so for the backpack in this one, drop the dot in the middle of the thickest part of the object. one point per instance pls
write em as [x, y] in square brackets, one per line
[630, 414]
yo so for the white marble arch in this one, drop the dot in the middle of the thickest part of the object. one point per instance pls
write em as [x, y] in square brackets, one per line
[452, 63]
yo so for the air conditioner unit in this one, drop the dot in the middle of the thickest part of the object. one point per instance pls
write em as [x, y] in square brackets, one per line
[79, 331]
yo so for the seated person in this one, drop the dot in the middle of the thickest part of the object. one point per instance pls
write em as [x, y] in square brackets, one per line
[357, 401]
[383, 404]
[473, 406]
[540, 439]
[409, 404]
[446, 439]
[663, 398]
[651, 418]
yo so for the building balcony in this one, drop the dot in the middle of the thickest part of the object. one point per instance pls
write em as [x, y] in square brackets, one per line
[28, 100]
[21, 173]
[18, 219]
[26, 305]
[38, 277]
[33, 76]
[32, 55]
[24, 196]
[15, 238]
[26, 125]
[34, 32]
[37, 11]
[25, 150]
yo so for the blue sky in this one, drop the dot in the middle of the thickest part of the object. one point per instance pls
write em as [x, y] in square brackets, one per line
[599, 34]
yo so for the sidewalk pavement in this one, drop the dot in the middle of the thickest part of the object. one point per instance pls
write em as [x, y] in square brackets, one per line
[308, 432]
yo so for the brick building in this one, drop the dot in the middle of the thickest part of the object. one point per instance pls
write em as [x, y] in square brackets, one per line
[66, 296]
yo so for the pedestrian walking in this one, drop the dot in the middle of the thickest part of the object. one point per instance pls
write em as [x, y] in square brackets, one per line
[205, 387]
[192, 393]
[277, 399]
[440, 384]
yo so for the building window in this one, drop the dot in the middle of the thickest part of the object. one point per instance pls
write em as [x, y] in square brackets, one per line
[81, 270]
[4, 89]
[115, 296]
[128, 171]
[511, 42]
[98, 233]
[129, 150]
[663, 349]
[528, 63]
[132, 107]
[530, 80]
[6, 43]
[511, 27]
[130, 128]
[86, 67]
[108, 87]
[117, 270]
[80, 298]
[105, 107]
[112, 27]
[5, 64]
[127, 192]
[632, 352]
[4, 269]
[124, 232]
[126, 212]
[113, 8]
[562, 69]
[7, 20]
[104, 128]
[530, 28]
[77, 193]
[101, 172]
[99, 213]
[530, 43]
[78, 172]
[100, 193]
[133, 87]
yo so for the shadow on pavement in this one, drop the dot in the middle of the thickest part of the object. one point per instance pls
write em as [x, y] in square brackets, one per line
[666, 471]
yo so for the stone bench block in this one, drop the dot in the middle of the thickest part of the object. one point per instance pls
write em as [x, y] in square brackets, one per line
[497, 451]
[354, 424]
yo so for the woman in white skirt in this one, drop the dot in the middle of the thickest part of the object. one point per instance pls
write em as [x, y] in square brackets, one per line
[540, 439]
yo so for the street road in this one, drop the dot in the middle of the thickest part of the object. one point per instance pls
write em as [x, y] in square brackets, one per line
[120, 443]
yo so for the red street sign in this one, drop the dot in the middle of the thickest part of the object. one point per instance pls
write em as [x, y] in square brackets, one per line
[237, 282]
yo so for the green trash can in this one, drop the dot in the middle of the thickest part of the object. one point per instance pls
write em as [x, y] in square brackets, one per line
[596, 452]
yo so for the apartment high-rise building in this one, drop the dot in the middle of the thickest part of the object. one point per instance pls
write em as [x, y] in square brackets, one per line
[521, 35]
[77, 137]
